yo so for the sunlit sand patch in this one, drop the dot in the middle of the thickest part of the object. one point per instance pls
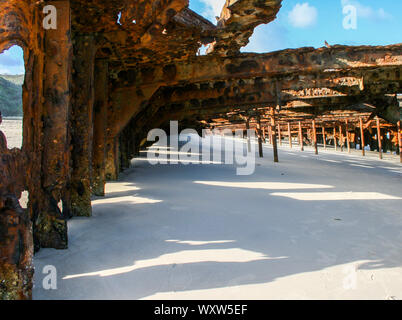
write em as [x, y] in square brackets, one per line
[361, 166]
[111, 187]
[264, 185]
[332, 161]
[200, 243]
[391, 168]
[128, 199]
[335, 196]
[233, 255]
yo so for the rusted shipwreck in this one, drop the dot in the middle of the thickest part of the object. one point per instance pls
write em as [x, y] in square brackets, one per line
[114, 69]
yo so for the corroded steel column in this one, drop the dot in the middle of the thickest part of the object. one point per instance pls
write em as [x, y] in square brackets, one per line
[399, 140]
[270, 133]
[341, 140]
[259, 132]
[16, 251]
[324, 138]
[379, 138]
[248, 137]
[100, 125]
[279, 134]
[16, 245]
[290, 135]
[82, 123]
[347, 136]
[274, 142]
[315, 138]
[362, 142]
[21, 169]
[50, 226]
[301, 142]
[112, 159]
[335, 140]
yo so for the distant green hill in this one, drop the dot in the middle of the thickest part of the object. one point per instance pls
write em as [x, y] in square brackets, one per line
[11, 95]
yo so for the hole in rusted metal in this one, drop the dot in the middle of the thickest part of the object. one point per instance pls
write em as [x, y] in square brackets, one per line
[12, 74]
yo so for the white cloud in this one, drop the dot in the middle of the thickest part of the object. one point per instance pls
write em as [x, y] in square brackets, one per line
[303, 15]
[213, 8]
[367, 12]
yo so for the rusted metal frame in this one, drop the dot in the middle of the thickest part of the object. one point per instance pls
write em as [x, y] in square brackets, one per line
[362, 142]
[259, 133]
[399, 140]
[301, 142]
[315, 137]
[379, 138]
[290, 135]
[274, 138]
[324, 138]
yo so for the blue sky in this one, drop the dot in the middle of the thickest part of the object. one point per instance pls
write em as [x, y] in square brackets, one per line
[311, 23]
[12, 61]
[299, 24]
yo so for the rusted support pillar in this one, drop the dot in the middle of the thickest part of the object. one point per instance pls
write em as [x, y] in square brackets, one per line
[248, 136]
[82, 123]
[124, 143]
[279, 134]
[379, 138]
[16, 243]
[290, 135]
[301, 143]
[100, 125]
[335, 140]
[347, 136]
[264, 134]
[315, 138]
[274, 142]
[112, 159]
[399, 140]
[49, 221]
[16, 251]
[259, 133]
[341, 141]
[324, 138]
[362, 142]
[270, 133]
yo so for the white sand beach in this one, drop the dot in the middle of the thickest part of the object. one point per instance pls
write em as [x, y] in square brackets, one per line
[12, 129]
[309, 227]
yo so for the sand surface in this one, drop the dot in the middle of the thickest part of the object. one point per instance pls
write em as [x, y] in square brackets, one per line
[12, 129]
[310, 227]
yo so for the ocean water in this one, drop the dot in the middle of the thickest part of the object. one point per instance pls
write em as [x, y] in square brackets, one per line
[12, 129]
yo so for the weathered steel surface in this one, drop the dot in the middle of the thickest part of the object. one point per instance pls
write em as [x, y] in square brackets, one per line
[50, 224]
[100, 126]
[82, 125]
[237, 22]
[115, 69]
[16, 250]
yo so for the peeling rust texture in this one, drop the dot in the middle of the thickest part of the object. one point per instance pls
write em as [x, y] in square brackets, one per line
[115, 69]
[237, 22]
[16, 245]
